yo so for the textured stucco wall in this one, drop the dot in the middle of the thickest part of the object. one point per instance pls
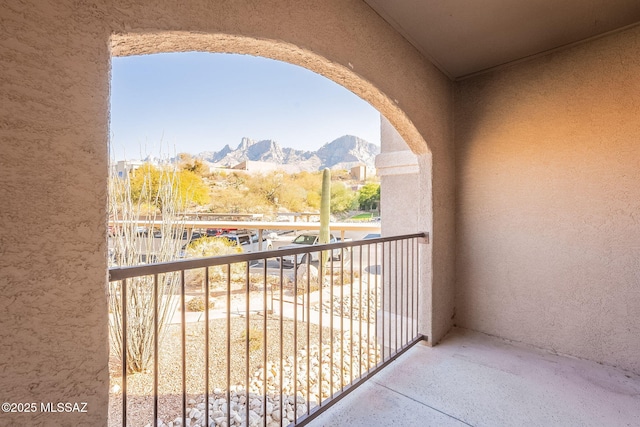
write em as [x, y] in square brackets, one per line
[53, 156]
[548, 202]
[54, 100]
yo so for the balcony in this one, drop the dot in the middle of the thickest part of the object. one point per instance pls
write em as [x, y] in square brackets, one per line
[271, 338]
[333, 349]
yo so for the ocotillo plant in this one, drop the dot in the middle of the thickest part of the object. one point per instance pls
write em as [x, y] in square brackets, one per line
[134, 243]
[325, 210]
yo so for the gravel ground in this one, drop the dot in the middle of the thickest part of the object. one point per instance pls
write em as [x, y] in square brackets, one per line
[140, 385]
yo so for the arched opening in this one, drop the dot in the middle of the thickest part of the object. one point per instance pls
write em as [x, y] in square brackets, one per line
[405, 157]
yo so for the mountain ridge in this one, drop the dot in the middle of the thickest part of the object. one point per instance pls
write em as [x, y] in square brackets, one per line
[344, 152]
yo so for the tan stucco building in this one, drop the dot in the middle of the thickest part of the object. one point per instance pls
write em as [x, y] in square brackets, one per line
[525, 176]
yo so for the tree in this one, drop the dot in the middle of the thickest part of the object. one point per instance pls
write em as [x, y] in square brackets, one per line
[268, 186]
[191, 189]
[146, 182]
[342, 198]
[369, 196]
[186, 162]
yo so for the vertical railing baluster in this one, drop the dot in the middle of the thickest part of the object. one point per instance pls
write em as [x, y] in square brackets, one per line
[417, 280]
[247, 342]
[264, 343]
[155, 349]
[360, 310]
[308, 342]
[124, 351]
[331, 306]
[321, 260]
[228, 344]
[375, 302]
[409, 302]
[280, 379]
[206, 347]
[407, 278]
[416, 285]
[383, 302]
[368, 356]
[395, 291]
[351, 349]
[341, 370]
[281, 341]
[183, 309]
[295, 335]
[207, 339]
[402, 296]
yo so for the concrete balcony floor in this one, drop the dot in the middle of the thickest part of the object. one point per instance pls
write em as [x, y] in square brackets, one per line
[479, 380]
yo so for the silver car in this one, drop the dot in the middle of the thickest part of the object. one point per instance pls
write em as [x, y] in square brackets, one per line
[307, 239]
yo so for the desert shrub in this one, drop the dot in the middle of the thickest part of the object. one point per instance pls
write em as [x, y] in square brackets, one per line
[273, 281]
[215, 246]
[198, 304]
[195, 304]
[308, 279]
[256, 337]
[346, 277]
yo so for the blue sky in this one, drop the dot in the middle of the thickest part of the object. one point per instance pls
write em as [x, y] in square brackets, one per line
[191, 102]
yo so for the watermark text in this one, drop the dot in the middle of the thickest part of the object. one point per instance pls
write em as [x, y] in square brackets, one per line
[49, 407]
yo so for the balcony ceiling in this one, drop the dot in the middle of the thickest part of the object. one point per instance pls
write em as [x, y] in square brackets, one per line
[465, 37]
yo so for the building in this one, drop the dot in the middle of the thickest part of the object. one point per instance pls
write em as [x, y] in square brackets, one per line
[251, 166]
[359, 173]
[122, 168]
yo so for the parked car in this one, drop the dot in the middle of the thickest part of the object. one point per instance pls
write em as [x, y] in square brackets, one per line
[249, 242]
[213, 232]
[185, 235]
[142, 231]
[307, 239]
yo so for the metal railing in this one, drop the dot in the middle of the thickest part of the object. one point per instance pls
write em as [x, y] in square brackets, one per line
[278, 343]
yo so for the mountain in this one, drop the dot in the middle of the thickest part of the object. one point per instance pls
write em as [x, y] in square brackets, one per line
[342, 153]
[347, 152]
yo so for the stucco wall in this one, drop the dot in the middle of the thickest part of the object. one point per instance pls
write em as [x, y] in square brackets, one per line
[548, 202]
[53, 158]
[54, 100]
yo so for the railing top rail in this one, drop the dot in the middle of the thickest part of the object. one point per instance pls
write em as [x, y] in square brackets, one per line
[120, 273]
[260, 225]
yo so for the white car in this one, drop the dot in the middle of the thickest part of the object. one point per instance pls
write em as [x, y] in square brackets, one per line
[248, 242]
[307, 239]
